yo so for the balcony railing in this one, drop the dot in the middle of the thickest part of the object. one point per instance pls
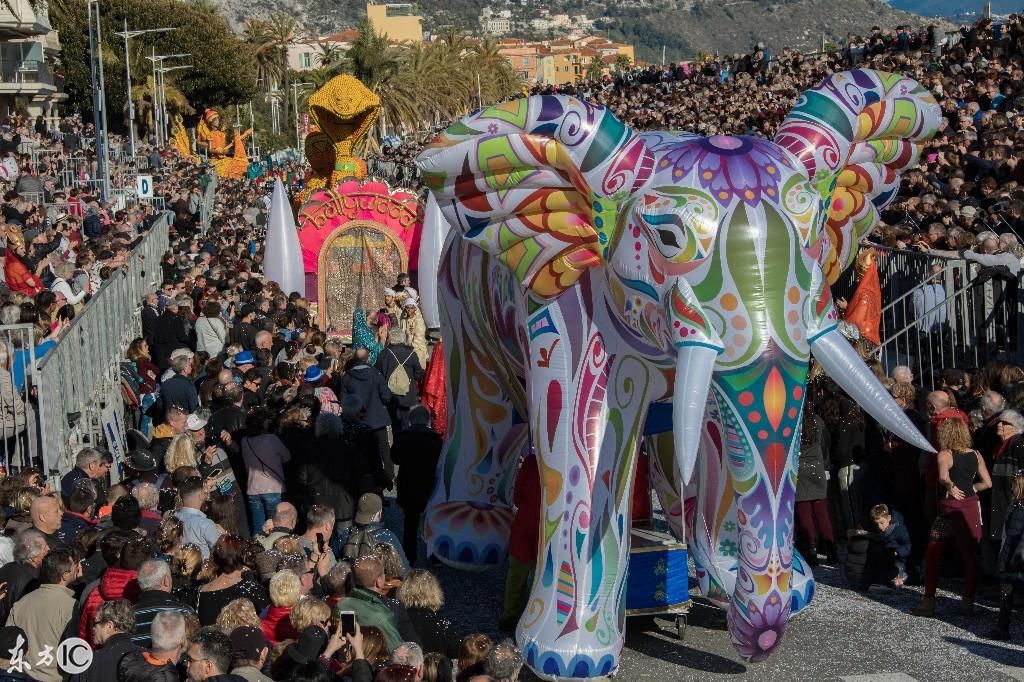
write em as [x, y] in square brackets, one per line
[25, 71]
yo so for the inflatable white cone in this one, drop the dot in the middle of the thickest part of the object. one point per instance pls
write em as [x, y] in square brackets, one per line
[435, 232]
[282, 260]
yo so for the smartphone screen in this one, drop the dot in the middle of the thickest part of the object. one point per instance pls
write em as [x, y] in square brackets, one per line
[348, 622]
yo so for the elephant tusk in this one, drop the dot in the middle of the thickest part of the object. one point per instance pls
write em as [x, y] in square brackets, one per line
[841, 362]
[694, 367]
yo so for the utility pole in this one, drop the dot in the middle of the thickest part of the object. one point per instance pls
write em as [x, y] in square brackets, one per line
[99, 103]
[126, 34]
[295, 102]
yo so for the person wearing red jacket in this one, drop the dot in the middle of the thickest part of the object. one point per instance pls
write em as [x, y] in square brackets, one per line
[522, 542]
[17, 275]
[118, 580]
[285, 592]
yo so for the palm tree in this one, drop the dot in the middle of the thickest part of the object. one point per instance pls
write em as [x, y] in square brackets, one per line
[283, 31]
[328, 54]
[268, 66]
[595, 69]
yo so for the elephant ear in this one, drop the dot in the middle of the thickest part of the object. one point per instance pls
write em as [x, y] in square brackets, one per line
[537, 182]
[855, 134]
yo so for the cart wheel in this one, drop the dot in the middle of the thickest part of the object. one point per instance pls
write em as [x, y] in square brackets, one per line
[681, 627]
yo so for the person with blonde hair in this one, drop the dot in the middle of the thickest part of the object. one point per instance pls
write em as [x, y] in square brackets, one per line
[310, 611]
[962, 475]
[1010, 565]
[238, 613]
[285, 591]
[181, 452]
[421, 595]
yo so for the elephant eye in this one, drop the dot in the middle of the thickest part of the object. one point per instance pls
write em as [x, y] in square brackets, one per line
[668, 238]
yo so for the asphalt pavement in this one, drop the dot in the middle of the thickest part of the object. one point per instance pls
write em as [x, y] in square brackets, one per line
[843, 635]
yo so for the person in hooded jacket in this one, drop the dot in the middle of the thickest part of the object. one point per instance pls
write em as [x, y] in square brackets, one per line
[369, 384]
[118, 580]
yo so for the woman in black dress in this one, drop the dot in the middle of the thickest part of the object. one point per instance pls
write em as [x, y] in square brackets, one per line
[230, 582]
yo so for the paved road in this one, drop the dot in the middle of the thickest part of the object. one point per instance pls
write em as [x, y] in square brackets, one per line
[843, 635]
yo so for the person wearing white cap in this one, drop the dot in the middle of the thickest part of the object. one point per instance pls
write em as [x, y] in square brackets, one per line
[391, 305]
[415, 329]
[214, 460]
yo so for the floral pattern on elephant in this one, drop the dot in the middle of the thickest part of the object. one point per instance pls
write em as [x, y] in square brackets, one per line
[594, 270]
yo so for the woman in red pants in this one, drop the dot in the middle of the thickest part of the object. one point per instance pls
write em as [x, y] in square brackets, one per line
[962, 474]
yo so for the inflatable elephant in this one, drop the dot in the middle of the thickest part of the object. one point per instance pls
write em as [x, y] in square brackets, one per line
[591, 271]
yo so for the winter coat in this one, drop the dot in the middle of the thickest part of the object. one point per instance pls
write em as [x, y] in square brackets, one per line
[811, 480]
[45, 615]
[436, 632]
[21, 578]
[330, 472]
[169, 334]
[401, 357]
[371, 386]
[1010, 564]
[71, 525]
[416, 452]
[141, 666]
[277, 626]
[211, 333]
[1006, 464]
[526, 496]
[116, 583]
[897, 537]
[106, 661]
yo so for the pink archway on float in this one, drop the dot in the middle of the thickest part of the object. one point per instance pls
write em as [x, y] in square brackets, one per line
[353, 238]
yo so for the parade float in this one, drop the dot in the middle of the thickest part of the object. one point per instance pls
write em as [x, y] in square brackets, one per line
[356, 234]
[603, 280]
[213, 140]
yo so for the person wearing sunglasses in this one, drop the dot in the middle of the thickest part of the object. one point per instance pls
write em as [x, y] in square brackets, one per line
[1007, 459]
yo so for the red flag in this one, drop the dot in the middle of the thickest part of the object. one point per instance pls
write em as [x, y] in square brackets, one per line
[865, 310]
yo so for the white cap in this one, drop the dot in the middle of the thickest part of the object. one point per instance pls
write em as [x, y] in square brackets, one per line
[195, 422]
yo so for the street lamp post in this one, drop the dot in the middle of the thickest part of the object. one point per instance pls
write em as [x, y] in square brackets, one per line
[99, 98]
[163, 93]
[295, 108]
[159, 103]
[126, 34]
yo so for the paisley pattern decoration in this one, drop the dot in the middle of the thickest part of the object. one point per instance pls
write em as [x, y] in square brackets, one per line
[855, 133]
[595, 271]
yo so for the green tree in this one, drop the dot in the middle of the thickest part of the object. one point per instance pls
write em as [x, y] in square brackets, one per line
[623, 63]
[268, 67]
[328, 55]
[223, 71]
[282, 32]
[595, 69]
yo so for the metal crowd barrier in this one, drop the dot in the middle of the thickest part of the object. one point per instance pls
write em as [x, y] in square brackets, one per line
[940, 312]
[80, 400]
